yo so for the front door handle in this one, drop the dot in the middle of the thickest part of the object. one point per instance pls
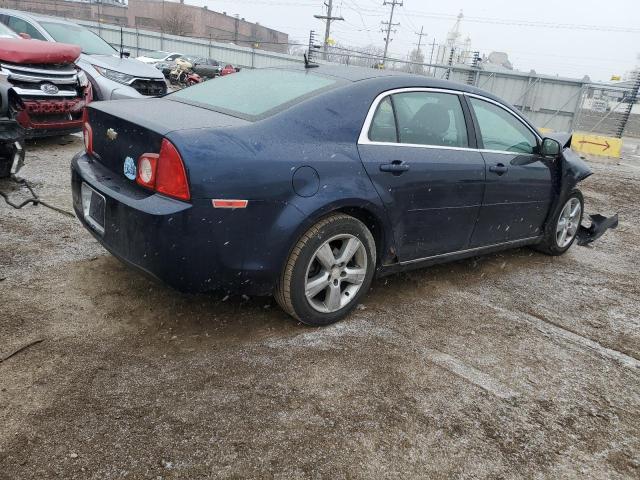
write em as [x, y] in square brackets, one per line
[397, 167]
[499, 169]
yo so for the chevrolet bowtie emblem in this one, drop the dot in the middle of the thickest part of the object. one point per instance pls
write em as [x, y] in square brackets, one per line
[112, 134]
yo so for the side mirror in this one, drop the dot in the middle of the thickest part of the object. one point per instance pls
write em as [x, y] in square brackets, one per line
[550, 148]
[126, 53]
[26, 36]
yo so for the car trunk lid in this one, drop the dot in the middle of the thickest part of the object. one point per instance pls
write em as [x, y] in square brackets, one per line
[123, 130]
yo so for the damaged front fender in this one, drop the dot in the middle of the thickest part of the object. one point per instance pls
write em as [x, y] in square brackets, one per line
[569, 170]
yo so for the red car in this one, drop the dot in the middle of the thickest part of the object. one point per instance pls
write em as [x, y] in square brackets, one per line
[229, 69]
[40, 86]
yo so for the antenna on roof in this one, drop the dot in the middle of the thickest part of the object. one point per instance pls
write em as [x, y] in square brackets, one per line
[121, 43]
[308, 62]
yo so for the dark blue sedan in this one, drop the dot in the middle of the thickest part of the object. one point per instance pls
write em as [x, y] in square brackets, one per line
[305, 183]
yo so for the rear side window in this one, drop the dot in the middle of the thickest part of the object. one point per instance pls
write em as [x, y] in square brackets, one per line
[383, 125]
[20, 26]
[430, 118]
[500, 130]
[255, 93]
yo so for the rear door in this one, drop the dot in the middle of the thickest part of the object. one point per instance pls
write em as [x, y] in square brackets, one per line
[418, 148]
[518, 189]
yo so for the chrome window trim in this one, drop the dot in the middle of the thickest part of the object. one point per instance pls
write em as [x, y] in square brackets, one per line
[363, 138]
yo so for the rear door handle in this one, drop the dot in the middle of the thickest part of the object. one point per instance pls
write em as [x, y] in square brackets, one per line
[396, 167]
[499, 169]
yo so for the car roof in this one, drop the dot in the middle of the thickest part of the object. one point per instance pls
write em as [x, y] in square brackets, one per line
[389, 78]
[36, 16]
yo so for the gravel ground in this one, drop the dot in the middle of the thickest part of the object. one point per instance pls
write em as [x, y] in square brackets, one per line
[506, 366]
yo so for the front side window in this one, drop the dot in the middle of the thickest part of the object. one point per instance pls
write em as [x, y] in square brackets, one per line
[500, 130]
[20, 26]
[430, 118]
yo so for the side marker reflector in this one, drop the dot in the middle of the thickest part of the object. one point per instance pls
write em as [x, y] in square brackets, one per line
[220, 203]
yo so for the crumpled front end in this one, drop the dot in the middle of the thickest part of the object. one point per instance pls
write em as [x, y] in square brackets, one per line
[571, 170]
[45, 99]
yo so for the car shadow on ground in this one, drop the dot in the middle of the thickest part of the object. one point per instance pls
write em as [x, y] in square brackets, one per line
[123, 294]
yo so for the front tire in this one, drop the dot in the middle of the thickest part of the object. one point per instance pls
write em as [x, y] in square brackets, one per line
[328, 271]
[562, 231]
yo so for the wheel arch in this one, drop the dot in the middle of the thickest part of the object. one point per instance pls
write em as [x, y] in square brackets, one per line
[373, 216]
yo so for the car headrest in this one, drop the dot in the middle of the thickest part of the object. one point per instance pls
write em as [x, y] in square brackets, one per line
[433, 118]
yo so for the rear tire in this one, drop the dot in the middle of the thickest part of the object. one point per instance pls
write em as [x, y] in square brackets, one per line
[562, 230]
[5, 167]
[328, 271]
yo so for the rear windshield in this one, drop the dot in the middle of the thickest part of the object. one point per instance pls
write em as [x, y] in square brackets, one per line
[254, 94]
[159, 55]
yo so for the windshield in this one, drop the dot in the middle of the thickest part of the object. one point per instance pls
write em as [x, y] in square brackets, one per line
[6, 32]
[254, 93]
[89, 42]
[156, 55]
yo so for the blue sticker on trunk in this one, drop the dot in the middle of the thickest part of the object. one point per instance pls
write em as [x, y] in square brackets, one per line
[129, 168]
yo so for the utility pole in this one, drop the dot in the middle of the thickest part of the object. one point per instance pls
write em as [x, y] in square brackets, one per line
[433, 47]
[389, 25]
[329, 19]
[420, 35]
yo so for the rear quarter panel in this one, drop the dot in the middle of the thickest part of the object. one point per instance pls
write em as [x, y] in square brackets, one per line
[258, 161]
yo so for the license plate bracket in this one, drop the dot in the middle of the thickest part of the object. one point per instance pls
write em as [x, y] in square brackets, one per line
[93, 208]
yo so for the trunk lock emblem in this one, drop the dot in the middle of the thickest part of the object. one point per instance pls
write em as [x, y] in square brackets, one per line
[49, 88]
[112, 134]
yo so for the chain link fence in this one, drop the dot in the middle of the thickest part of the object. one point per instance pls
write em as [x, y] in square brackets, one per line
[550, 102]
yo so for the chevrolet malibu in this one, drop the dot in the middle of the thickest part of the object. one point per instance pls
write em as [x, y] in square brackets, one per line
[305, 183]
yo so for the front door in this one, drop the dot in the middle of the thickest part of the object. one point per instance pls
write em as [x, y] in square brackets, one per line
[422, 162]
[518, 189]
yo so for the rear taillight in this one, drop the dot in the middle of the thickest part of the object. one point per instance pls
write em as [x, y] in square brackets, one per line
[164, 172]
[87, 133]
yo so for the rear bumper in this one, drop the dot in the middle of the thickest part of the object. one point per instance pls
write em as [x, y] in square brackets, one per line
[189, 246]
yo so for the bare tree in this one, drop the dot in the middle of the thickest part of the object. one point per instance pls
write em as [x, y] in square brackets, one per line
[176, 20]
[416, 57]
[296, 49]
[367, 56]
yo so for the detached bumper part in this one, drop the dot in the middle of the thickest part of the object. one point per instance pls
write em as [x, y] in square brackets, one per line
[599, 225]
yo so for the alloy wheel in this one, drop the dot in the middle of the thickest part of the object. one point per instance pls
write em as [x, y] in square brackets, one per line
[568, 222]
[335, 273]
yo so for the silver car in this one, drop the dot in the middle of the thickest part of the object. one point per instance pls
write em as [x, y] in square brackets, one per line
[112, 77]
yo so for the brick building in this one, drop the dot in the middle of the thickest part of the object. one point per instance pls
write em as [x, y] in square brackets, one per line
[171, 17]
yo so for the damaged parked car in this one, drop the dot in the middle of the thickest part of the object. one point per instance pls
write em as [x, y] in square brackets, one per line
[112, 73]
[40, 86]
[305, 183]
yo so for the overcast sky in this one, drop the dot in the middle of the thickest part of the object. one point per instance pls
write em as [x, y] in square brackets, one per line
[603, 38]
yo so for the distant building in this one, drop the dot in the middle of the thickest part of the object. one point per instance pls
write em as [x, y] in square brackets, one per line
[455, 51]
[169, 17]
